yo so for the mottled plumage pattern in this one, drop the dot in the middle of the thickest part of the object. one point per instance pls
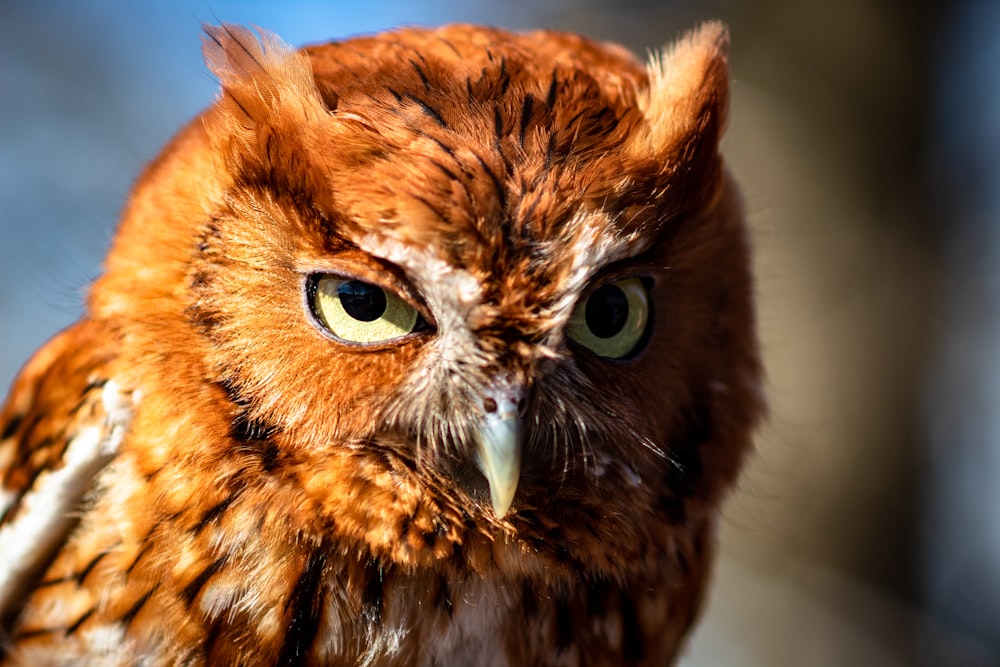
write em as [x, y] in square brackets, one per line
[434, 347]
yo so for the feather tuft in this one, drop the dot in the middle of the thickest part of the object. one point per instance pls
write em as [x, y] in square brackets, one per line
[260, 74]
[688, 88]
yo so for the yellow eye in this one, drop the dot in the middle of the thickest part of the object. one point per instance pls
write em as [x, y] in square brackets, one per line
[612, 320]
[361, 313]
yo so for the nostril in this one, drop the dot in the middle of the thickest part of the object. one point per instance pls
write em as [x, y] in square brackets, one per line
[489, 404]
[522, 404]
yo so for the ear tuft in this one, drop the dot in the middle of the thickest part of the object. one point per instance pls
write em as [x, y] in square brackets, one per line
[259, 75]
[688, 88]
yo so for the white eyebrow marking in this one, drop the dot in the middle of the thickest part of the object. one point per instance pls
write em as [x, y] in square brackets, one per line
[592, 248]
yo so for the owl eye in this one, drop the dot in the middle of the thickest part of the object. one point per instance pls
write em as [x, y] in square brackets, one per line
[611, 321]
[361, 313]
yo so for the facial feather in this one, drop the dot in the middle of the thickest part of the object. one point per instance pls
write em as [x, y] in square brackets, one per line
[286, 495]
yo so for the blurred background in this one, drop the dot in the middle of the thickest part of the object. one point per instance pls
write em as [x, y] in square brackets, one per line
[866, 135]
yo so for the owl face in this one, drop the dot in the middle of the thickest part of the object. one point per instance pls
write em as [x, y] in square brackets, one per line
[431, 347]
[503, 281]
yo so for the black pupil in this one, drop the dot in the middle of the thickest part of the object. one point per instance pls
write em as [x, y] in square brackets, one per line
[362, 301]
[607, 311]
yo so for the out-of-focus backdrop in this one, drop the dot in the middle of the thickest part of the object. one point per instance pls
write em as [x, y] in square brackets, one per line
[866, 134]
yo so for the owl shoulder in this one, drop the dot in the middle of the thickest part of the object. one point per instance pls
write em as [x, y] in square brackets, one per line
[62, 423]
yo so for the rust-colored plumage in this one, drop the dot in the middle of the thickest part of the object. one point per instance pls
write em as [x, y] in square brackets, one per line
[434, 347]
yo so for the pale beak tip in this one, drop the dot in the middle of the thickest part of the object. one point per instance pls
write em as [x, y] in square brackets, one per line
[502, 500]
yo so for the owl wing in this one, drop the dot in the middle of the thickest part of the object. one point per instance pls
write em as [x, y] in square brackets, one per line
[63, 422]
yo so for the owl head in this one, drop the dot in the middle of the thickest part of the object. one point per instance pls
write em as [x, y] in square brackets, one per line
[453, 284]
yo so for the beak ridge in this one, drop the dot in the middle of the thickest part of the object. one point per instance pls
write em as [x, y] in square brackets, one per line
[499, 458]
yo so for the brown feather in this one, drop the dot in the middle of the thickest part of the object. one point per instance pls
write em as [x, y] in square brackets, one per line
[283, 496]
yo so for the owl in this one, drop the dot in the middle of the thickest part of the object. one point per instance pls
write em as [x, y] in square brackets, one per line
[432, 347]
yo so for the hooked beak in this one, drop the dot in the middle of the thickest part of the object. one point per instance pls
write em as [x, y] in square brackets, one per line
[499, 450]
[498, 445]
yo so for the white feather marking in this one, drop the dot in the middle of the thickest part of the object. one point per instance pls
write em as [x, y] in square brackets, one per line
[105, 639]
[433, 275]
[6, 498]
[46, 514]
[8, 452]
[385, 643]
[271, 623]
[592, 248]
[217, 598]
[451, 293]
